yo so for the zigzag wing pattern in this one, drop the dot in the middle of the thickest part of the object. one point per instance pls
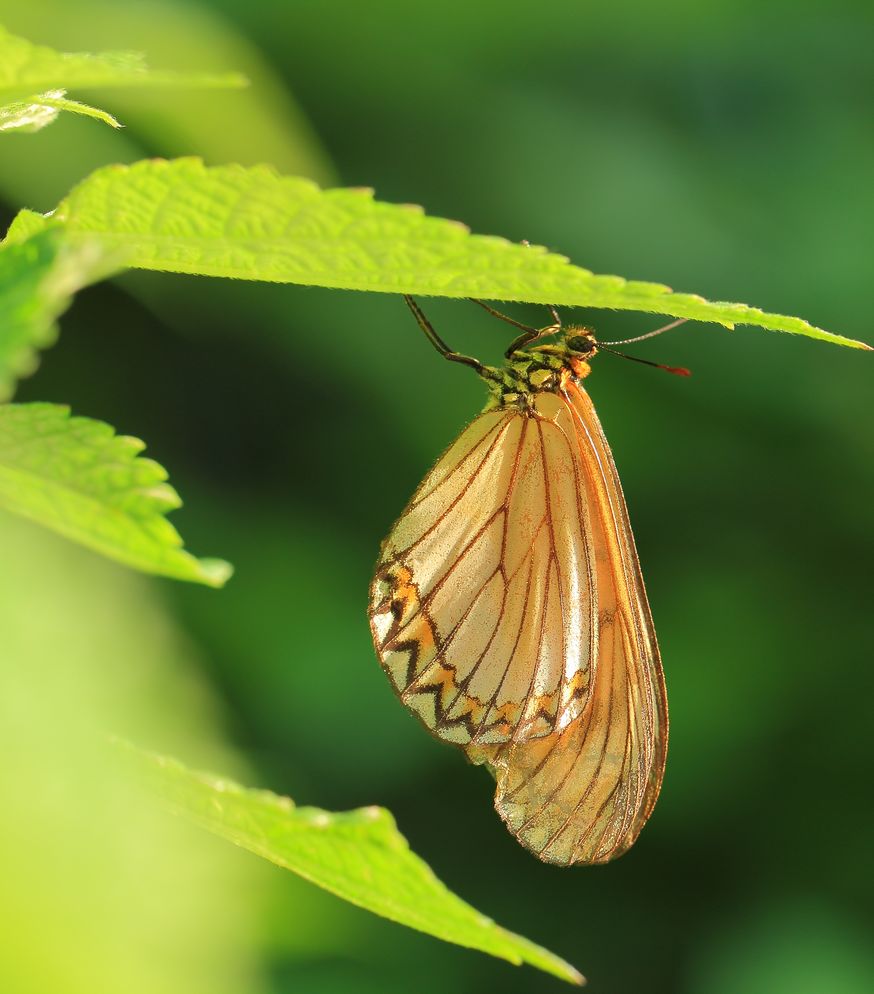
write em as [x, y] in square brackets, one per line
[509, 613]
[482, 602]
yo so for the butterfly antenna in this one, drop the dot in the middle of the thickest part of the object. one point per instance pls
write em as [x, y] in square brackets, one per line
[676, 370]
[649, 334]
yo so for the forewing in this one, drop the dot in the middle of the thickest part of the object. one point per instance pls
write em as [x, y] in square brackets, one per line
[582, 793]
[483, 599]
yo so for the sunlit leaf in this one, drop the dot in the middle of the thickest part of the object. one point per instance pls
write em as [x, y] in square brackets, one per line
[77, 477]
[251, 223]
[358, 855]
[25, 224]
[35, 113]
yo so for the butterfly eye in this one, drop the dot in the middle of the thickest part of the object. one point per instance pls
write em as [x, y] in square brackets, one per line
[580, 343]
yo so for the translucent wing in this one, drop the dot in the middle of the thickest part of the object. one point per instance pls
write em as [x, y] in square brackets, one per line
[509, 613]
[483, 602]
[583, 793]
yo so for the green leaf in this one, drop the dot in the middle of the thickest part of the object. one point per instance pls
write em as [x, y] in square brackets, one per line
[38, 277]
[76, 476]
[28, 116]
[35, 113]
[357, 855]
[26, 69]
[250, 223]
[25, 224]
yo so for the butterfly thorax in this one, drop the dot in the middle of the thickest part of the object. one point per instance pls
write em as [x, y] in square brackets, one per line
[540, 369]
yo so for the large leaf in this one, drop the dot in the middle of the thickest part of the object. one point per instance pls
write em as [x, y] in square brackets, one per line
[38, 277]
[78, 477]
[358, 855]
[250, 223]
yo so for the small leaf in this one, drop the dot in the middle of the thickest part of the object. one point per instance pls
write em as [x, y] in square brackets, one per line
[26, 69]
[33, 114]
[357, 855]
[28, 116]
[76, 476]
[38, 277]
[250, 223]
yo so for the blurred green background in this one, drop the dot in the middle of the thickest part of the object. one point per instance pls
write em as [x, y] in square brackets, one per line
[726, 149]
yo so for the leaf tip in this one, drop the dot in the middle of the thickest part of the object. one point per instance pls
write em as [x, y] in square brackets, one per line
[567, 971]
[215, 572]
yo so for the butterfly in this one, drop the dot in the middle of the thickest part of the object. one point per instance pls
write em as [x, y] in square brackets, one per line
[509, 612]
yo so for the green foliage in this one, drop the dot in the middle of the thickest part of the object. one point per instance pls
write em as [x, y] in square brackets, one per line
[27, 116]
[28, 68]
[250, 223]
[25, 224]
[268, 125]
[358, 855]
[34, 80]
[38, 277]
[103, 891]
[72, 474]
[76, 476]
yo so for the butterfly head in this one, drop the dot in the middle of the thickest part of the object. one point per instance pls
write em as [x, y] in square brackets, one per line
[543, 368]
[580, 343]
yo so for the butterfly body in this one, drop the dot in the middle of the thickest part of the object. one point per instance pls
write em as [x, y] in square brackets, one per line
[509, 613]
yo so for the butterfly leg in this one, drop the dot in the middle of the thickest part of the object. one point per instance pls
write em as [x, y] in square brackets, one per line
[529, 333]
[440, 345]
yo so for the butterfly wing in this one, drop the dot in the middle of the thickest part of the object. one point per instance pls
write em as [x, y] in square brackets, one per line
[583, 793]
[509, 612]
[483, 599]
